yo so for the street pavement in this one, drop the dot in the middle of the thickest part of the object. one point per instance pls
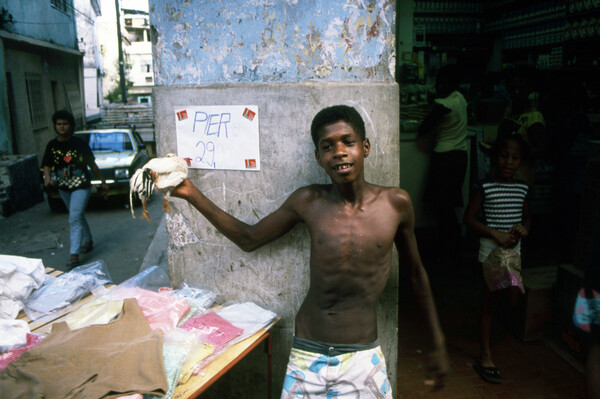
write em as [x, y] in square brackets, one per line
[126, 245]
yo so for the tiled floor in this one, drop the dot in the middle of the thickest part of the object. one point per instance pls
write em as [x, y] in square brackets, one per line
[530, 370]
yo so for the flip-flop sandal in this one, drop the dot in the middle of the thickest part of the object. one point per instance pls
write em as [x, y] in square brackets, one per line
[488, 374]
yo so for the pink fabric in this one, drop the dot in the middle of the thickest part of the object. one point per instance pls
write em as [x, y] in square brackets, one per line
[160, 309]
[214, 329]
[8, 357]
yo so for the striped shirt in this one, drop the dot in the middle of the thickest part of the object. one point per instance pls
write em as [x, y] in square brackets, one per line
[503, 203]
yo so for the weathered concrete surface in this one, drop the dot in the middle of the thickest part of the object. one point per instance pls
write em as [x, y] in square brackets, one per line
[276, 275]
[256, 41]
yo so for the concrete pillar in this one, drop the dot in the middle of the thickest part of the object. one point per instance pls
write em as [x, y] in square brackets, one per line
[291, 59]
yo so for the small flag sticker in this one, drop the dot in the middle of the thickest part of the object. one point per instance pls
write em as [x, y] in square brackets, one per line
[181, 115]
[248, 114]
[250, 163]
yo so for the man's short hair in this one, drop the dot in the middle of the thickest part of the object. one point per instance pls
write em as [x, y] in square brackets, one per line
[64, 115]
[336, 113]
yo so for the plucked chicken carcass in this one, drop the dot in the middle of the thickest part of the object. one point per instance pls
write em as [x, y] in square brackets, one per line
[164, 174]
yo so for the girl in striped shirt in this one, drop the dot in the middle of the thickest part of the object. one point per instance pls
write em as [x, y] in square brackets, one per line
[499, 212]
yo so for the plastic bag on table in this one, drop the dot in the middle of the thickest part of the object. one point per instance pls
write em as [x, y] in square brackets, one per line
[98, 310]
[246, 315]
[152, 279]
[502, 269]
[213, 329]
[57, 294]
[196, 359]
[177, 344]
[161, 310]
[201, 298]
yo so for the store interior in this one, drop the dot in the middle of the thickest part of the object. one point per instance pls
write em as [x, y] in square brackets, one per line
[554, 43]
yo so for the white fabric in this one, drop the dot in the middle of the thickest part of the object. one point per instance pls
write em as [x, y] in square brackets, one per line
[9, 308]
[13, 334]
[19, 276]
[29, 266]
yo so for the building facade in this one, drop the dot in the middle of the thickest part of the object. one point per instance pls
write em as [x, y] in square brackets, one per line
[40, 72]
[86, 15]
[136, 45]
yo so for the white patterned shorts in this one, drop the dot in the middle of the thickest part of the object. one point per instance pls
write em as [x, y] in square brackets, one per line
[336, 371]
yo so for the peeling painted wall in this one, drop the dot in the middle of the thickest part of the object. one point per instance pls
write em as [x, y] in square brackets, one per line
[202, 42]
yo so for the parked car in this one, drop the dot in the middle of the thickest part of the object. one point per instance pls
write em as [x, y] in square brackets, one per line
[119, 153]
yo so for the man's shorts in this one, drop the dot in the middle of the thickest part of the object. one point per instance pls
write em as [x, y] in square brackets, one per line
[322, 370]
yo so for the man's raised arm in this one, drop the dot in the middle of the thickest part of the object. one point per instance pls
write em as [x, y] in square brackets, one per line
[247, 237]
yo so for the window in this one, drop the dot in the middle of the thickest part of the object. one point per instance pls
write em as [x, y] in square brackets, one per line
[148, 79]
[60, 4]
[128, 22]
[35, 96]
[138, 36]
[118, 141]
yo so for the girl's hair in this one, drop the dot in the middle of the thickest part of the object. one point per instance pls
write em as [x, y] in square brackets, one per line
[336, 113]
[505, 138]
[65, 115]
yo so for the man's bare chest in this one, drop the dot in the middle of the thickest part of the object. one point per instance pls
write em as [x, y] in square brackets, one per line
[352, 232]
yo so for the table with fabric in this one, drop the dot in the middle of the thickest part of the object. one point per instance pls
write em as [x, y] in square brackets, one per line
[195, 385]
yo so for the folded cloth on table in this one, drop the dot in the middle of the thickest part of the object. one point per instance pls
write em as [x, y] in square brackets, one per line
[13, 334]
[213, 329]
[99, 310]
[189, 367]
[161, 310]
[248, 316]
[19, 276]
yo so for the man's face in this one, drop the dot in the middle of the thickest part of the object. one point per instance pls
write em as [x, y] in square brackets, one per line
[63, 127]
[341, 152]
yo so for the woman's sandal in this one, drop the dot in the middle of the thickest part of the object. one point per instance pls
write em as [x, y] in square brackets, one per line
[87, 247]
[74, 261]
[488, 374]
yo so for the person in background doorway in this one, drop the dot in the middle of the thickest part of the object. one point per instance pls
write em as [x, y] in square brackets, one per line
[65, 165]
[502, 201]
[523, 118]
[443, 133]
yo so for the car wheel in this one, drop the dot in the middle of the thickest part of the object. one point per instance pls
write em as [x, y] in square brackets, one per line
[57, 205]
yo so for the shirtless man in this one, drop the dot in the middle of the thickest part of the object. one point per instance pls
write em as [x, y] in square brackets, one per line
[353, 226]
